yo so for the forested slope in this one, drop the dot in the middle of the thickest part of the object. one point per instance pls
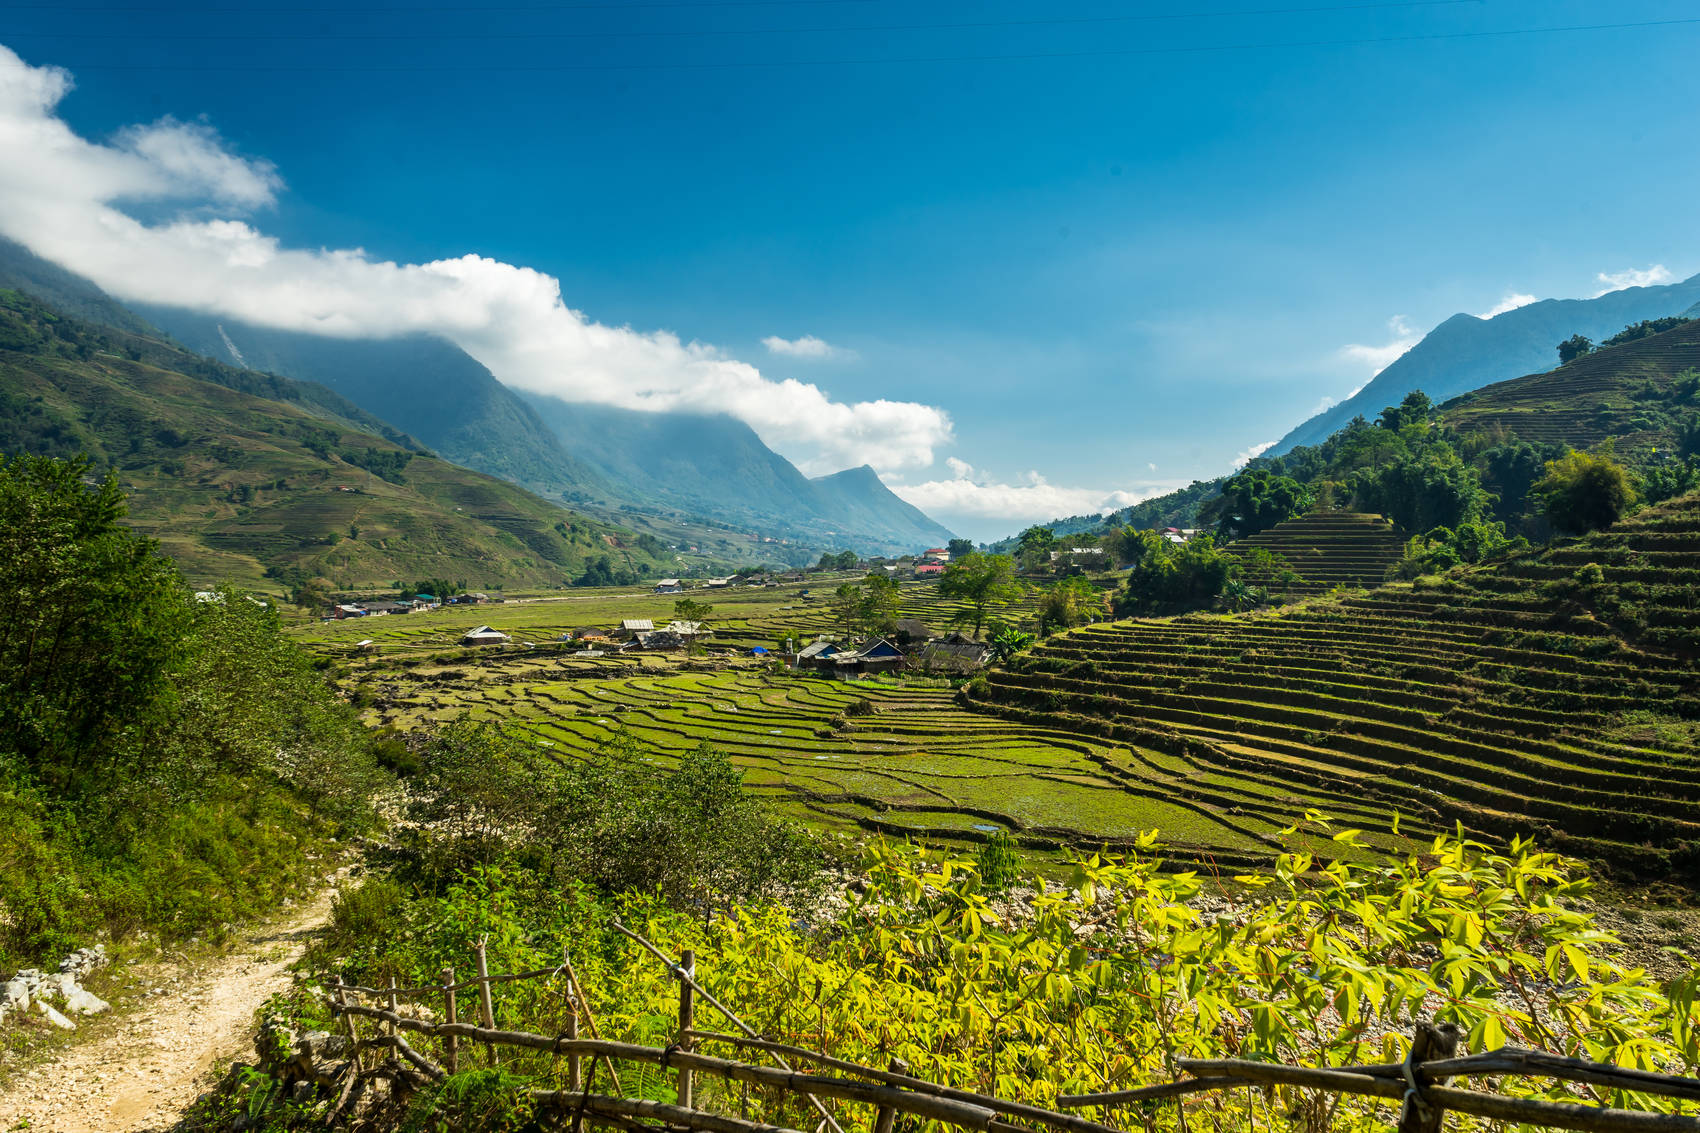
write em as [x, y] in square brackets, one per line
[244, 476]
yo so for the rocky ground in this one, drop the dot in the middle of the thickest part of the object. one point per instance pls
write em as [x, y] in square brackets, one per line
[141, 1069]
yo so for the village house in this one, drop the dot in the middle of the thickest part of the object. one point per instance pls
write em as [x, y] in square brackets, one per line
[929, 569]
[955, 653]
[631, 627]
[910, 632]
[484, 635]
[343, 610]
[877, 656]
[669, 586]
[817, 655]
[936, 555]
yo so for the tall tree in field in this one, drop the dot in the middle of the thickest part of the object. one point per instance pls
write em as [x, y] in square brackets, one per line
[981, 581]
[690, 610]
[960, 547]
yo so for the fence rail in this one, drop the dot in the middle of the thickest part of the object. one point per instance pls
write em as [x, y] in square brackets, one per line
[1421, 1084]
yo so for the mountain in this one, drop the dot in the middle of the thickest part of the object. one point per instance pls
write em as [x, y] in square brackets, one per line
[1465, 352]
[862, 501]
[422, 384]
[714, 465]
[247, 477]
[679, 468]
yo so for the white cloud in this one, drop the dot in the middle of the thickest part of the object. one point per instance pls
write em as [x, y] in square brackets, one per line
[969, 497]
[60, 196]
[808, 347]
[1246, 455]
[1633, 277]
[1512, 301]
[1378, 358]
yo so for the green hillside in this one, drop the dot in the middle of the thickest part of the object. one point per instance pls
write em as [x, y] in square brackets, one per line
[1641, 395]
[244, 476]
[1556, 692]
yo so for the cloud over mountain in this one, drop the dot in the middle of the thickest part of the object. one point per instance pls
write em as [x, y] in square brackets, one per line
[974, 502]
[61, 196]
[1378, 358]
[1634, 277]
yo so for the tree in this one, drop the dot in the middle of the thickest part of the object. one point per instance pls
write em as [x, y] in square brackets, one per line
[838, 560]
[982, 581]
[1644, 328]
[1574, 347]
[1428, 488]
[1414, 410]
[1171, 578]
[1069, 603]
[1581, 492]
[92, 622]
[1256, 500]
[1034, 546]
[690, 610]
[868, 607]
[960, 547]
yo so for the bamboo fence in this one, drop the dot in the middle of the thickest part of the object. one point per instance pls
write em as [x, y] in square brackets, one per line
[1421, 1083]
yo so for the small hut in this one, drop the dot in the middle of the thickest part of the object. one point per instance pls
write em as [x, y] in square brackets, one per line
[484, 635]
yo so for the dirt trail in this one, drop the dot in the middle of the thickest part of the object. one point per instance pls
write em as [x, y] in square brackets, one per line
[143, 1072]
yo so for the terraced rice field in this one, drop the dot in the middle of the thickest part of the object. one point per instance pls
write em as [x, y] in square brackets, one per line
[1586, 401]
[1557, 694]
[916, 764]
[1328, 549]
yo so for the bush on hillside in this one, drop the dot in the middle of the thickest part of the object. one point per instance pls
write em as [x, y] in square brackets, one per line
[1443, 548]
[1170, 578]
[484, 797]
[1256, 500]
[1582, 492]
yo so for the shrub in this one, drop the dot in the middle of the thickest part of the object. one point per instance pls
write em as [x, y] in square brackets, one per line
[998, 862]
[1580, 492]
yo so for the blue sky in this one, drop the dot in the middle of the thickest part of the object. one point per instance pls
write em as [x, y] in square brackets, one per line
[1117, 244]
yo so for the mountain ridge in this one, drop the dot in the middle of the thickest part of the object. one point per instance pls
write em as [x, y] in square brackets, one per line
[1466, 352]
[267, 492]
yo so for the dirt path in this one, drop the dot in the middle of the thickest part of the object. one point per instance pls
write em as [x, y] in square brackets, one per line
[147, 1068]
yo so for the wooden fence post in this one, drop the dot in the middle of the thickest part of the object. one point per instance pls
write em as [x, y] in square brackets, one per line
[575, 1064]
[1427, 1044]
[451, 1048]
[486, 1008]
[687, 1019]
[393, 1005]
[353, 1038]
[886, 1117]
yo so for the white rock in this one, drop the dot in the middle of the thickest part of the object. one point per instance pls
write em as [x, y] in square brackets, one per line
[14, 995]
[81, 1001]
[54, 1017]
